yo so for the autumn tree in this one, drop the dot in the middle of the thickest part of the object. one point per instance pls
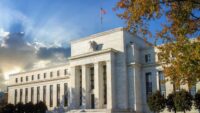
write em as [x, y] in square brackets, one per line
[179, 54]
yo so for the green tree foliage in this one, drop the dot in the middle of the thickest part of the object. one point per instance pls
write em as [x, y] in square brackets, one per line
[9, 108]
[156, 102]
[40, 107]
[29, 107]
[197, 100]
[183, 101]
[19, 108]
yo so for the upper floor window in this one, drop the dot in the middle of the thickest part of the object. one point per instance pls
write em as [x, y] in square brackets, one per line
[32, 77]
[148, 58]
[44, 75]
[58, 73]
[38, 76]
[65, 71]
[51, 74]
[21, 79]
[16, 80]
[26, 78]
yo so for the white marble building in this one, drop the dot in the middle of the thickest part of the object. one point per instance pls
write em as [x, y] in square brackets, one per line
[112, 71]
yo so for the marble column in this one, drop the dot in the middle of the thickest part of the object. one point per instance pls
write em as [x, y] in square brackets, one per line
[74, 91]
[157, 81]
[137, 87]
[110, 84]
[98, 92]
[85, 87]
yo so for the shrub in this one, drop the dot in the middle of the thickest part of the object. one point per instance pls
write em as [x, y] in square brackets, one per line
[29, 107]
[156, 102]
[183, 101]
[40, 107]
[170, 102]
[197, 100]
[9, 108]
[19, 108]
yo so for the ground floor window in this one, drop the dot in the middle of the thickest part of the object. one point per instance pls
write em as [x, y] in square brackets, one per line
[65, 94]
[148, 84]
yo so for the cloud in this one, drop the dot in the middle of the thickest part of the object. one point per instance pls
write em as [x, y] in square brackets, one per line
[20, 55]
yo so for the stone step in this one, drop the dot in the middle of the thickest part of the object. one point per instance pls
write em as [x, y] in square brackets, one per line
[88, 111]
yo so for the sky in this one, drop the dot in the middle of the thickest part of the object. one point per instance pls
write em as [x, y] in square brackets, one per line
[37, 33]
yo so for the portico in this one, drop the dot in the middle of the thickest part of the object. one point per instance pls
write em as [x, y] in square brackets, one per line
[94, 80]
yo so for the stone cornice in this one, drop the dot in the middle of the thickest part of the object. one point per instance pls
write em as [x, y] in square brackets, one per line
[92, 53]
[39, 81]
[98, 34]
[41, 69]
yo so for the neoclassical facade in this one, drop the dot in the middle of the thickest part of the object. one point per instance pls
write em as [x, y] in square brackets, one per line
[112, 71]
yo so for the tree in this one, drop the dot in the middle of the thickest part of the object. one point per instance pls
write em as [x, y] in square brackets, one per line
[183, 101]
[197, 100]
[9, 108]
[180, 56]
[40, 107]
[29, 107]
[181, 62]
[156, 102]
[170, 102]
[19, 108]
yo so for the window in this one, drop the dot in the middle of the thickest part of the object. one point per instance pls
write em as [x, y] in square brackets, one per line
[26, 95]
[58, 94]
[26, 78]
[21, 92]
[21, 79]
[162, 83]
[32, 77]
[44, 94]
[148, 84]
[44, 75]
[92, 78]
[32, 93]
[65, 71]
[105, 84]
[65, 94]
[51, 95]
[38, 94]
[148, 58]
[80, 87]
[193, 90]
[15, 96]
[58, 73]
[38, 76]
[51, 74]
[16, 80]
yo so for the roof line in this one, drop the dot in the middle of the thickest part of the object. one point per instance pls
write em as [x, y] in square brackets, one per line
[98, 34]
[40, 69]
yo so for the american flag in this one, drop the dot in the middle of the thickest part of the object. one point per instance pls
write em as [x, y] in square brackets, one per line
[102, 12]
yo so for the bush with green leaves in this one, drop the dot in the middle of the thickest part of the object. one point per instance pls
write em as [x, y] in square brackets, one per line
[19, 108]
[29, 107]
[40, 107]
[9, 108]
[170, 102]
[183, 101]
[156, 102]
[197, 100]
